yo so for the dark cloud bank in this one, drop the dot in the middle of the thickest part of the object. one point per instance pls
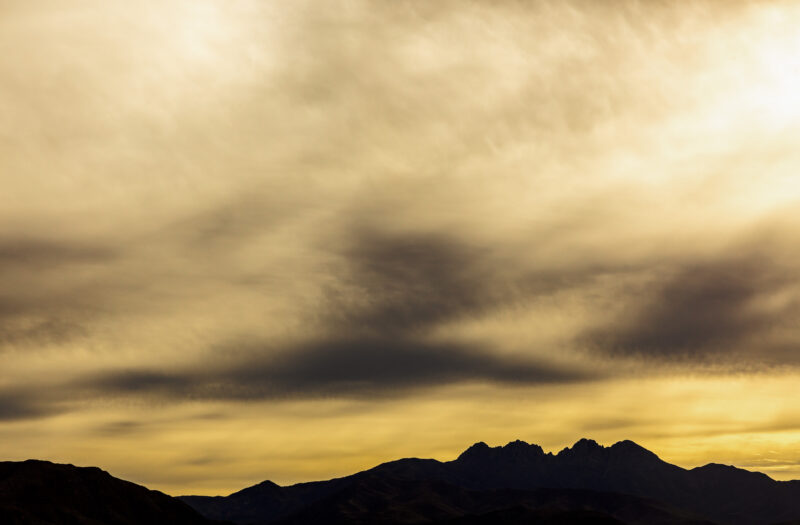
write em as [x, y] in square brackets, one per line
[375, 340]
[397, 288]
[737, 310]
[359, 368]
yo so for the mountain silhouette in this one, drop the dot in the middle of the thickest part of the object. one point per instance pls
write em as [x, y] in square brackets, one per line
[514, 484]
[43, 493]
[520, 483]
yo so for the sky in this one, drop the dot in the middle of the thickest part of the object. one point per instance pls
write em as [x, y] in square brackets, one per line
[252, 239]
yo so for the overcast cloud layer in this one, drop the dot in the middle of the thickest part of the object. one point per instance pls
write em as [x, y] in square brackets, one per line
[211, 208]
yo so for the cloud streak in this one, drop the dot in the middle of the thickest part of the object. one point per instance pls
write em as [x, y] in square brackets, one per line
[351, 369]
[734, 310]
[19, 404]
[39, 301]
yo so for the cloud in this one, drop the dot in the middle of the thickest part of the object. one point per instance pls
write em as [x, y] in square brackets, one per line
[43, 297]
[120, 428]
[391, 290]
[733, 309]
[355, 369]
[25, 252]
[407, 281]
[17, 403]
[374, 366]
[47, 328]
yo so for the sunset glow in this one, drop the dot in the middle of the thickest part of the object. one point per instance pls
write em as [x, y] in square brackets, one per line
[257, 240]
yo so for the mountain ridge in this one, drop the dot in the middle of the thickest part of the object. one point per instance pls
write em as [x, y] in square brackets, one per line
[514, 484]
[713, 492]
[43, 493]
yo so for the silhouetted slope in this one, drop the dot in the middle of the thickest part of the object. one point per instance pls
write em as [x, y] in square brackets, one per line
[731, 491]
[380, 500]
[44, 493]
[427, 491]
[265, 501]
[526, 516]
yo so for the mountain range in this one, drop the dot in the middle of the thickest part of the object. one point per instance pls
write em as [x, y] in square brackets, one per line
[520, 483]
[514, 484]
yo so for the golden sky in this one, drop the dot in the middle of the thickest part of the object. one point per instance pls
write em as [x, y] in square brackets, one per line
[251, 239]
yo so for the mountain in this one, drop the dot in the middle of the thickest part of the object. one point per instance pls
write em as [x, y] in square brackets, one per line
[43, 493]
[520, 483]
[511, 485]
[378, 500]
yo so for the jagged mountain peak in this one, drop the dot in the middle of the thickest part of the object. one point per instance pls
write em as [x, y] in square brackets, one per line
[621, 450]
[478, 448]
[267, 485]
[587, 444]
[628, 445]
[513, 450]
[583, 447]
[629, 448]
